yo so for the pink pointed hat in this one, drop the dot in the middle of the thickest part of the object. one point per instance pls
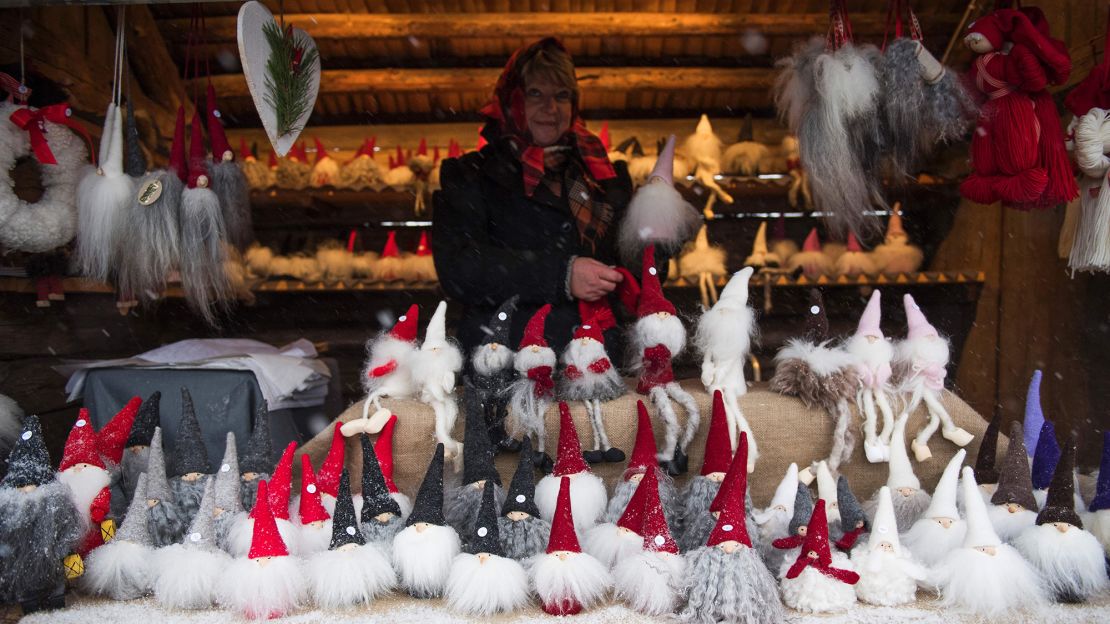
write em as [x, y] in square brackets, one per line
[872, 315]
[664, 165]
[917, 325]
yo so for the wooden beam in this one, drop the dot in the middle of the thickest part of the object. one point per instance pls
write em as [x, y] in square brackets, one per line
[528, 25]
[150, 59]
[340, 81]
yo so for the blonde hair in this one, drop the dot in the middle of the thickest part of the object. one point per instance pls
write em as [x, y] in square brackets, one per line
[553, 65]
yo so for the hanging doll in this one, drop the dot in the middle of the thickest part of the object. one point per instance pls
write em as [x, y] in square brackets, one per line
[204, 276]
[1017, 149]
[657, 214]
[523, 532]
[1090, 250]
[493, 372]
[434, 368]
[227, 180]
[534, 389]
[589, 376]
[872, 356]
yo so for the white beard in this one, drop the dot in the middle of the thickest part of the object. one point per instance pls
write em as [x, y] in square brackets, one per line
[773, 523]
[398, 384]
[119, 570]
[499, 585]
[580, 578]
[311, 539]
[1071, 564]
[1098, 523]
[489, 361]
[345, 578]
[886, 579]
[591, 385]
[869, 355]
[526, 359]
[433, 371]
[186, 577]
[260, 591]
[930, 542]
[1009, 525]
[653, 330]
[610, 545]
[924, 351]
[650, 582]
[814, 592]
[423, 560]
[84, 485]
[989, 586]
[790, 556]
[587, 498]
[403, 501]
[907, 509]
[242, 532]
[725, 334]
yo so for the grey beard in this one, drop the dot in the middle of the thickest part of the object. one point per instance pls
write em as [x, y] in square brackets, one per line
[521, 539]
[730, 587]
[222, 526]
[460, 506]
[377, 533]
[906, 510]
[132, 466]
[38, 529]
[668, 496]
[167, 525]
[248, 490]
[696, 498]
[186, 497]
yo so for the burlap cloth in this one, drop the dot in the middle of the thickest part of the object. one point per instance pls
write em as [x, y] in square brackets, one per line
[785, 430]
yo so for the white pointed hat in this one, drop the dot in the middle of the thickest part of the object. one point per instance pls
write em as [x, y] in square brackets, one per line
[884, 528]
[735, 293]
[436, 334]
[759, 246]
[943, 503]
[826, 491]
[787, 489]
[900, 471]
[980, 532]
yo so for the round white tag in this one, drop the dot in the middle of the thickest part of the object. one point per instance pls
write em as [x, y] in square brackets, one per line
[482, 531]
[195, 537]
[883, 529]
[727, 528]
[26, 435]
[350, 530]
[225, 467]
[401, 318]
[815, 309]
[80, 422]
[501, 316]
[660, 540]
[520, 498]
[311, 488]
[585, 327]
[652, 271]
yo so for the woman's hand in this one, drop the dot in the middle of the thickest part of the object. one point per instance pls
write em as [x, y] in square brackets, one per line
[591, 280]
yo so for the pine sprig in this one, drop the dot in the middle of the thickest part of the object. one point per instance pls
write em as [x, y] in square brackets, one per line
[289, 73]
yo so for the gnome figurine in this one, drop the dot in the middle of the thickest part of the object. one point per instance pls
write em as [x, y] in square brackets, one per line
[611, 543]
[258, 460]
[424, 549]
[241, 534]
[811, 260]
[828, 492]
[187, 573]
[589, 376]
[167, 522]
[652, 580]
[910, 501]
[888, 574]
[381, 517]
[986, 475]
[939, 530]
[897, 254]
[586, 489]
[1012, 508]
[461, 505]
[122, 569]
[315, 522]
[522, 531]
[703, 487]
[388, 370]
[566, 579]
[774, 520]
[493, 372]
[760, 256]
[111, 442]
[137, 448]
[383, 450]
[643, 460]
[812, 584]
[33, 502]
[698, 529]
[351, 572]
[327, 477]
[787, 549]
[1034, 415]
[190, 461]
[658, 214]
[483, 581]
[1045, 459]
[854, 525]
[84, 472]
[1069, 559]
[724, 338]
[872, 355]
[227, 507]
[984, 576]
[534, 389]
[435, 367]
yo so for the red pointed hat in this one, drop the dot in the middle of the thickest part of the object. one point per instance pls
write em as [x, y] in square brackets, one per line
[589, 329]
[198, 171]
[244, 149]
[657, 535]
[651, 291]
[435, 153]
[321, 151]
[853, 243]
[718, 445]
[563, 536]
[597, 313]
[298, 152]
[221, 149]
[812, 242]
[737, 476]
[399, 161]
[454, 150]
[383, 448]
[731, 524]
[266, 540]
[178, 163]
[569, 461]
[311, 509]
[81, 444]
[273, 161]
[423, 248]
[422, 149]
[533, 331]
[390, 250]
[112, 439]
[644, 452]
[632, 518]
[603, 136]
[405, 327]
[817, 540]
[332, 468]
[281, 483]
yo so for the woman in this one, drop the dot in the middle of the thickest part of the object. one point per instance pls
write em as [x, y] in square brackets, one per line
[535, 212]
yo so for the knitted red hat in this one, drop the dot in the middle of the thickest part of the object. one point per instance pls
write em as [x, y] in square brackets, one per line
[731, 525]
[597, 313]
[718, 446]
[112, 439]
[589, 330]
[332, 468]
[991, 27]
[569, 461]
[737, 475]
[651, 292]
[383, 449]
[321, 151]
[221, 149]
[81, 444]
[632, 518]
[657, 535]
[390, 250]
[817, 541]
[266, 540]
[405, 327]
[281, 482]
[563, 536]
[178, 164]
[643, 453]
[423, 248]
[533, 331]
[198, 169]
[311, 509]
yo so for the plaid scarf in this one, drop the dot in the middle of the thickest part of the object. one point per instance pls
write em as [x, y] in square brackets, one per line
[580, 171]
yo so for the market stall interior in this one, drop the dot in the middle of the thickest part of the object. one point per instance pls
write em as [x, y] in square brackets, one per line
[229, 210]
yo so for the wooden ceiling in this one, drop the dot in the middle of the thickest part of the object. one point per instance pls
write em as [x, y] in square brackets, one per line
[422, 61]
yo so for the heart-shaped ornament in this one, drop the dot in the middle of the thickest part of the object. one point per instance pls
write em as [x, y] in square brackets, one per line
[293, 89]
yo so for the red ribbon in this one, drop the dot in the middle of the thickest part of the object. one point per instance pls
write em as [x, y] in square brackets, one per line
[34, 122]
[541, 376]
[383, 370]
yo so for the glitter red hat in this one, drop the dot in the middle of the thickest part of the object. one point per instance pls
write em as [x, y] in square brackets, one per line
[737, 475]
[266, 540]
[632, 518]
[817, 541]
[657, 535]
[644, 452]
[383, 449]
[332, 468]
[589, 329]
[563, 537]
[405, 327]
[731, 525]
[310, 509]
[569, 461]
[651, 291]
[533, 331]
[112, 439]
[81, 444]
[718, 445]
[281, 483]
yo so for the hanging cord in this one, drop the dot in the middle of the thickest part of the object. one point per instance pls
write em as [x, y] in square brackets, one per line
[840, 28]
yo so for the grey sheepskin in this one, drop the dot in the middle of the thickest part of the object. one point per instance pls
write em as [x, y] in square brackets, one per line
[906, 510]
[523, 538]
[696, 498]
[133, 465]
[222, 525]
[228, 182]
[187, 496]
[668, 496]
[153, 249]
[377, 533]
[37, 530]
[167, 525]
[248, 490]
[950, 109]
[903, 107]
[732, 587]
[461, 504]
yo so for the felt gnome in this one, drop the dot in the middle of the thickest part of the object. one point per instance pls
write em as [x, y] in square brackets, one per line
[534, 389]
[920, 363]
[986, 475]
[787, 549]
[589, 376]
[774, 520]
[399, 174]
[83, 471]
[111, 441]
[1012, 508]
[586, 489]
[643, 461]
[381, 517]
[327, 477]
[362, 171]
[228, 503]
[351, 571]
[390, 264]
[888, 573]
[325, 171]
[812, 584]
[167, 520]
[703, 487]
[460, 506]
[984, 576]
[811, 261]
[1034, 415]
[483, 581]
[1045, 459]
[137, 447]
[651, 580]
[383, 450]
[258, 174]
[241, 533]
[434, 368]
[747, 156]
[227, 179]
[419, 267]
[897, 254]
[421, 164]
[612, 542]
[705, 264]
[122, 569]
[872, 355]
[33, 502]
[1069, 559]
[855, 262]
[294, 171]
[187, 573]
[190, 461]
[939, 530]
[258, 460]
[1097, 520]
[760, 256]
[659, 337]
[821, 376]
[724, 338]
[781, 246]
[424, 549]
[315, 522]
[522, 531]
[492, 371]
[698, 528]
[725, 579]
[566, 579]
[854, 524]
[266, 582]
[910, 501]
[657, 214]
[828, 492]
[388, 370]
